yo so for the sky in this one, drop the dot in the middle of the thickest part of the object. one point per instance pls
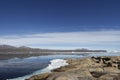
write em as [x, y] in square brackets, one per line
[61, 24]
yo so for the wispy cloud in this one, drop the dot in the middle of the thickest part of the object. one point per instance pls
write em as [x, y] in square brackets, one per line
[66, 38]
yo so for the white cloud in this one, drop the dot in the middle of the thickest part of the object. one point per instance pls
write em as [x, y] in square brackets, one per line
[88, 37]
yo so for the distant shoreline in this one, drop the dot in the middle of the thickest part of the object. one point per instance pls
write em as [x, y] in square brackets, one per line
[4, 56]
[8, 52]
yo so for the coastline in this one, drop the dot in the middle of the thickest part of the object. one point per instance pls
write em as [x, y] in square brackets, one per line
[94, 68]
[54, 64]
[4, 56]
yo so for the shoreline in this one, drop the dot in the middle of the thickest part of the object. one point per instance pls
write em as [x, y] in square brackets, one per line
[54, 64]
[94, 68]
[4, 56]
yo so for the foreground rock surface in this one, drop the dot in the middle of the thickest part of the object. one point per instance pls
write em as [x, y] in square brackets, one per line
[94, 68]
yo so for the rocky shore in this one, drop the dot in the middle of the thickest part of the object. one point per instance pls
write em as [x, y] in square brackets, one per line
[94, 68]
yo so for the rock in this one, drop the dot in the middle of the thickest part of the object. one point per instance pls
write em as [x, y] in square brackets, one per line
[94, 68]
[71, 75]
[62, 76]
[39, 77]
[110, 77]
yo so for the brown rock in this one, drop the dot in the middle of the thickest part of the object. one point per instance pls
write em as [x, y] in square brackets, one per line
[110, 77]
[95, 68]
[39, 77]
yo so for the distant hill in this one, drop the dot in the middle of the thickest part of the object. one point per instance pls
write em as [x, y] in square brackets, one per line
[24, 49]
[6, 47]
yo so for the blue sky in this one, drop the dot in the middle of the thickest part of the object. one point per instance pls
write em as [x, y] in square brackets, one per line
[22, 20]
